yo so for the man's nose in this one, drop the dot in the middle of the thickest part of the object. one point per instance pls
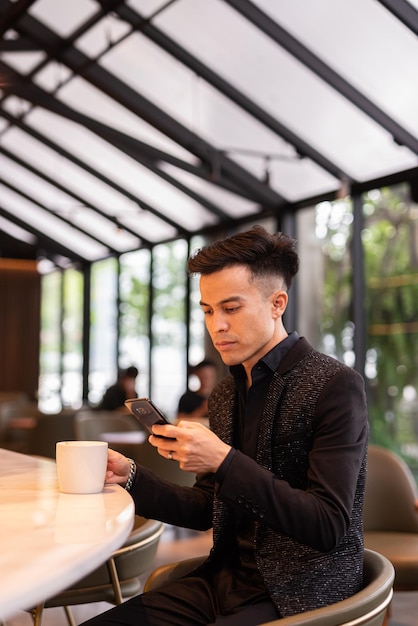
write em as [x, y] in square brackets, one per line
[219, 322]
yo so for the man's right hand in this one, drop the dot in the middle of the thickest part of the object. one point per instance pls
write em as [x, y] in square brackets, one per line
[118, 468]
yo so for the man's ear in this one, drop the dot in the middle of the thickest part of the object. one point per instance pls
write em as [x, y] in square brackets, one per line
[279, 301]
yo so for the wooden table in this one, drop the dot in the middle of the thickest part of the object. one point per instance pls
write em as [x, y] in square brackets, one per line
[49, 540]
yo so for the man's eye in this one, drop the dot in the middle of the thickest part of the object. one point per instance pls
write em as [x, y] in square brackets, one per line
[207, 312]
[231, 309]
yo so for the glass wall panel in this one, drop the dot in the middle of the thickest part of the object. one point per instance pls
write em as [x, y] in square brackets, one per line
[72, 335]
[326, 271]
[103, 333]
[390, 245]
[197, 332]
[134, 345]
[169, 356]
[50, 344]
[390, 242]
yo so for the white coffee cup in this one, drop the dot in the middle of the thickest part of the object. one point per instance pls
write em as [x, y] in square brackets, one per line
[81, 466]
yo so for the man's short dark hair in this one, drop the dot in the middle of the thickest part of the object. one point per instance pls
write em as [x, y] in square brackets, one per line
[263, 253]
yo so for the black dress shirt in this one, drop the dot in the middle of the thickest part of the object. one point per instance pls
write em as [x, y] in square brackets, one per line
[237, 576]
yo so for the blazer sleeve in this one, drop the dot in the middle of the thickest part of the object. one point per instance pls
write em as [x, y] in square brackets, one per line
[189, 507]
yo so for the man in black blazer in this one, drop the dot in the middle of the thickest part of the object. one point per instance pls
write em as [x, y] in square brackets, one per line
[280, 472]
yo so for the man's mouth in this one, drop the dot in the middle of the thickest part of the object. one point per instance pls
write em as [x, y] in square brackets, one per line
[224, 345]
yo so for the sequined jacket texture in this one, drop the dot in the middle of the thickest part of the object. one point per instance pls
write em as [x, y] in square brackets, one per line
[298, 577]
[315, 409]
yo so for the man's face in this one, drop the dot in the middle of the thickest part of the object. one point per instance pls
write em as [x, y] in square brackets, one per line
[243, 318]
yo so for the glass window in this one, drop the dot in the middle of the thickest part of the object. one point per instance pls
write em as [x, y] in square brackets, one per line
[326, 271]
[197, 332]
[390, 244]
[169, 358]
[391, 255]
[50, 345]
[134, 346]
[103, 333]
[72, 336]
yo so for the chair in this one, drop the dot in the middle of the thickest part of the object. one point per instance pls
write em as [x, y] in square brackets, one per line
[368, 606]
[95, 425]
[48, 429]
[115, 580]
[90, 424]
[390, 516]
[17, 418]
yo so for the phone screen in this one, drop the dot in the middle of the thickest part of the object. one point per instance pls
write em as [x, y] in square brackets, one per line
[146, 412]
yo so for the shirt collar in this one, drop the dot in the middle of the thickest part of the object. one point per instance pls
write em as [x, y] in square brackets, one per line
[272, 359]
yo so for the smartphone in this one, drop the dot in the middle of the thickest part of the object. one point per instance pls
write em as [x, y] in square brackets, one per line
[147, 413]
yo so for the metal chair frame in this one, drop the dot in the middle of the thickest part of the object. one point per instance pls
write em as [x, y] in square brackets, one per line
[118, 595]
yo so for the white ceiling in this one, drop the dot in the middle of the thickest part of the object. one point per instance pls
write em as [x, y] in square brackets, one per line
[125, 124]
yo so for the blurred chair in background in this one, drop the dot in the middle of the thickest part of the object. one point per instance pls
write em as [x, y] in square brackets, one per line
[17, 418]
[120, 429]
[48, 429]
[125, 434]
[390, 515]
[13, 396]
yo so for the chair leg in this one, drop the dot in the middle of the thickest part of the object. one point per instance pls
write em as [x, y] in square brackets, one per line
[113, 572]
[70, 618]
[37, 613]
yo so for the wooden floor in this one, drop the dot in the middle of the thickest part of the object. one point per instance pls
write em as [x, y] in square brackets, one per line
[183, 544]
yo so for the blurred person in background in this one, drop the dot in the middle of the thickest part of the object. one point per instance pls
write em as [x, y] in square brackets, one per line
[120, 391]
[193, 404]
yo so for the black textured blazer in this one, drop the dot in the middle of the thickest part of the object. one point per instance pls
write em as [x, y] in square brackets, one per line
[304, 490]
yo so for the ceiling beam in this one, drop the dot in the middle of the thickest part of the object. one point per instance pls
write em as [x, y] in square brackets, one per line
[302, 147]
[404, 11]
[90, 170]
[284, 39]
[82, 201]
[125, 143]
[44, 245]
[62, 219]
[138, 104]
[10, 12]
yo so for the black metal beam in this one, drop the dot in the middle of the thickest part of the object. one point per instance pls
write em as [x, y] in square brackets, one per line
[11, 12]
[76, 227]
[44, 244]
[404, 11]
[22, 44]
[69, 192]
[138, 104]
[86, 329]
[358, 287]
[302, 147]
[127, 144]
[23, 87]
[90, 170]
[386, 181]
[284, 39]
